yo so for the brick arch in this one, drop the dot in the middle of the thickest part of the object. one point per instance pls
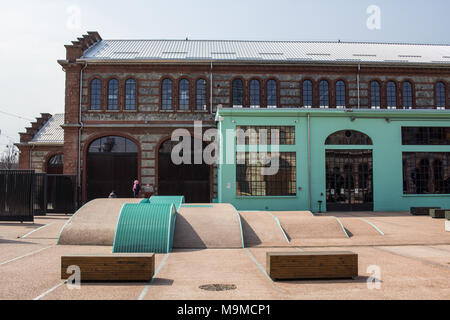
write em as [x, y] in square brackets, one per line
[94, 137]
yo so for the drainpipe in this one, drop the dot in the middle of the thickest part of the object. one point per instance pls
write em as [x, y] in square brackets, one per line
[358, 86]
[211, 89]
[309, 163]
[80, 129]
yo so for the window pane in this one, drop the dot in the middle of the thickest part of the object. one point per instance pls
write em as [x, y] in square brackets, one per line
[426, 173]
[113, 94]
[254, 135]
[307, 94]
[375, 99]
[113, 144]
[255, 93]
[251, 182]
[426, 135]
[324, 94]
[440, 95]
[271, 94]
[96, 94]
[184, 95]
[340, 94]
[130, 94]
[167, 94]
[391, 95]
[407, 95]
[348, 137]
[201, 95]
[237, 93]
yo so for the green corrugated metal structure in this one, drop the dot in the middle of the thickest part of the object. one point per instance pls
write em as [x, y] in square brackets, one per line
[145, 227]
[176, 200]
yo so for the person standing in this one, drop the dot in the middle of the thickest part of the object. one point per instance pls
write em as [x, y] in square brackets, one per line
[136, 188]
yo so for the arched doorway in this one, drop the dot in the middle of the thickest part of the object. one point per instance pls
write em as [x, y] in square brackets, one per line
[349, 171]
[112, 164]
[190, 180]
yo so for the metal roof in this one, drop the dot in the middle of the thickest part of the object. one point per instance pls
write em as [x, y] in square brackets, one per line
[51, 132]
[266, 51]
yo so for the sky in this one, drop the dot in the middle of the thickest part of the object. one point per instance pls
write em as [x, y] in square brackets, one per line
[33, 34]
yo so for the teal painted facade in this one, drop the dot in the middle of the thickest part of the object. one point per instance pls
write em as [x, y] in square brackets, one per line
[382, 126]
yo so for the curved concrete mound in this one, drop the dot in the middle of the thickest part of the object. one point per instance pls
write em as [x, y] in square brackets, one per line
[301, 226]
[261, 228]
[213, 226]
[94, 223]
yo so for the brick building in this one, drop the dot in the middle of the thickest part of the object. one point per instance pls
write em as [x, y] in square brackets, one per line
[125, 97]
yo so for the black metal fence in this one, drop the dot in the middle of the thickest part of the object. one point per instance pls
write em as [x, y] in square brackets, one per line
[25, 194]
[16, 195]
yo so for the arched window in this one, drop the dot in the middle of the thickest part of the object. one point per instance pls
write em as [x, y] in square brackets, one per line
[324, 94]
[200, 95]
[237, 93]
[255, 93]
[183, 93]
[441, 102]
[271, 92]
[166, 98]
[130, 94]
[348, 137]
[96, 94]
[112, 144]
[55, 164]
[113, 94]
[407, 95]
[307, 94]
[391, 94]
[340, 94]
[375, 98]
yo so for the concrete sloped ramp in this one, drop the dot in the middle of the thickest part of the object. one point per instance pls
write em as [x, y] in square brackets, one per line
[358, 228]
[94, 223]
[212, 226]
[301, 226]
[261, 228]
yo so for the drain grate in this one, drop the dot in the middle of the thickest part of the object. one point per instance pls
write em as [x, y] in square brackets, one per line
[218, 287]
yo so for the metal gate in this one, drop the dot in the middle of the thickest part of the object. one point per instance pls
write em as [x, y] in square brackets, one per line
[61, 193]
[349, 180]
[16, 195]
[190, 180]
[40, 194]
[25, 194]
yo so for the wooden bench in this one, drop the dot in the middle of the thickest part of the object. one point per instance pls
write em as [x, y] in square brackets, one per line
[421, 211]
[111, 267]
[312, 265]
[438, 213]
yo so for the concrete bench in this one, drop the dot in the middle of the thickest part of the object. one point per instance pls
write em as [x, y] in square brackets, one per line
[421, 211]
[438, 213]
[111, 267]
[311, 265]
